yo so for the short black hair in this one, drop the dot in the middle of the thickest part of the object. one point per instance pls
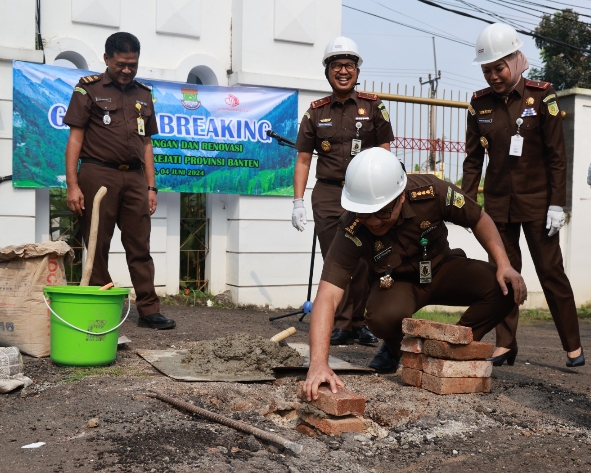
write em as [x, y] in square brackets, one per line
[122, 42]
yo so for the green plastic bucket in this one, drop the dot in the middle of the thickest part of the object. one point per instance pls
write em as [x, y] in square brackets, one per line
[84, 324]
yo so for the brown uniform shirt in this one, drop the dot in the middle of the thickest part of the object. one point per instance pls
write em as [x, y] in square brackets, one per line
[328, 120]
[516, 188]
[119, 141]
[429, 202]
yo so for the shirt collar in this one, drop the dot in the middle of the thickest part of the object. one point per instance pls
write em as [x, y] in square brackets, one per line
[107, 80]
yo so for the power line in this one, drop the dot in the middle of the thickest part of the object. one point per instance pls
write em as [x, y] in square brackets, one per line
[465, 43]
[527, 33]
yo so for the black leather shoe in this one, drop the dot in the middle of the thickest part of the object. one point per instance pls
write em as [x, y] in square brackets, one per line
[384, 361]
[363, 336]
[577, 361]
[156, 321]
[509, 356]
[341, 337]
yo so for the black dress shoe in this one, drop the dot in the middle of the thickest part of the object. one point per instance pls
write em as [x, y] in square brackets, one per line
[156, 321]
[577, 361]
[384, 361]
[509, 356]
[341, 337]
[363, 336]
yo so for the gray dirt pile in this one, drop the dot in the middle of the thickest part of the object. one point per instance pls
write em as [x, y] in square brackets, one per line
[241, 353]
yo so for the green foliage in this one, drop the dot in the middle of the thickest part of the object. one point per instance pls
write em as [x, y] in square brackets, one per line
[193, 248]
[564, 67]
[64, 226]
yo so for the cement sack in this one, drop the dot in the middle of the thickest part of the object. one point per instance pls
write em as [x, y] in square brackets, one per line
[24, 270]
[11, 370]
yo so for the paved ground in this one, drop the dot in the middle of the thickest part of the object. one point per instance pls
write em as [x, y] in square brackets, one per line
[537, 419]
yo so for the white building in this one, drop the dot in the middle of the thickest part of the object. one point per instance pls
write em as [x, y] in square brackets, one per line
[254, 251]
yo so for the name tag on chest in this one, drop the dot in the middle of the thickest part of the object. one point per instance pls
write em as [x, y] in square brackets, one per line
[380, 255]
[516, 147]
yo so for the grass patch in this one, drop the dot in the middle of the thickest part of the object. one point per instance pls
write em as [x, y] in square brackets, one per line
[525, 316]
[192, 298]
[76, 374]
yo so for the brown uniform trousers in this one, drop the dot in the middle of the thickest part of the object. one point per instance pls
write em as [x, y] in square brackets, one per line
[519, 189]
[459, 281]
[327, 210]
[125, 205]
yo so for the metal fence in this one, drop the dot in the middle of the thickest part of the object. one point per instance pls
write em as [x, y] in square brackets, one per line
[429, 133]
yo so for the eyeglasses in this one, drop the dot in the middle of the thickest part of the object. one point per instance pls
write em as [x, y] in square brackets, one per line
[337, 66]
[382, 214]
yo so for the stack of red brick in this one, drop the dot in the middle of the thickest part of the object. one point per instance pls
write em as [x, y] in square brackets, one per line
[444, 359]
[331, 413]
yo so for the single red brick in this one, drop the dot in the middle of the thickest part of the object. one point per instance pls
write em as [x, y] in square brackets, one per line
[455, 385]
[342, 403]
[412, 377]
[333, 425]
[449, 351]
[457, 369]
[306, 430]
[412, 344]
[436, 331]
[413, 360]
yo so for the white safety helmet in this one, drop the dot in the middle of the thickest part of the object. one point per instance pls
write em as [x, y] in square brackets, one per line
[495, 42]
[374, 178]
[341, 47]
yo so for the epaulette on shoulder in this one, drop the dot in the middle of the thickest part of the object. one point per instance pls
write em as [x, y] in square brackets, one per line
[482, 93]
[89, 79]
[367, 96]
[320, 102]
[145, 86]
[352, 226]
[421, 193]
[537, 84]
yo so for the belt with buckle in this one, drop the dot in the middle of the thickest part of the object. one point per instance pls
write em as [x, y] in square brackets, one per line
[119, 167]
[330, 182]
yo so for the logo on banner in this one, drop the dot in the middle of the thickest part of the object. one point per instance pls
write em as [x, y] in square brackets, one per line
[190, 99]
[232, 100]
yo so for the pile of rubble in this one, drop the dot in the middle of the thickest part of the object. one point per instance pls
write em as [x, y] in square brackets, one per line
[443, 359]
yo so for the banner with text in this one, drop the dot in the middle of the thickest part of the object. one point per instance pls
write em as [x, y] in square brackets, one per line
[210, 139]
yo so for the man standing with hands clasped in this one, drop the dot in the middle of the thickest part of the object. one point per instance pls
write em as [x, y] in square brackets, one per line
[338, 127]
[111, 118]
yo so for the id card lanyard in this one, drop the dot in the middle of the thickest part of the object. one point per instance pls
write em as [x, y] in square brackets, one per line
[140, 121]
[356, 142]
[516, 147]
[425, 272]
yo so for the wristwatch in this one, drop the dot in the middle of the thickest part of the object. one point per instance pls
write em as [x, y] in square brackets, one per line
[150, 188]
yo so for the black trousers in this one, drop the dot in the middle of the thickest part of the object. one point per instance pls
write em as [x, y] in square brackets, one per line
[459, 281]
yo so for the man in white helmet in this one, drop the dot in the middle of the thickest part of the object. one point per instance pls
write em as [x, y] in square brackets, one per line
[338, 127]
[396, 223]
[518, 122]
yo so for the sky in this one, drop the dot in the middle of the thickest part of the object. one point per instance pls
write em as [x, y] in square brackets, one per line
[393, 53]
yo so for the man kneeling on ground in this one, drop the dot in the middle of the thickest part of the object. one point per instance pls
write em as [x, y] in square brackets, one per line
[396, 223]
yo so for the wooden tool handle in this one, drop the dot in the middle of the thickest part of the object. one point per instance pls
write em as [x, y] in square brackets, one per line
[283, 335]
[91, 248]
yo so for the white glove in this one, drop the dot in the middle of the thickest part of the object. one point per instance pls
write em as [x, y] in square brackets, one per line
[555, 219]
[589, 175]
[298, 216]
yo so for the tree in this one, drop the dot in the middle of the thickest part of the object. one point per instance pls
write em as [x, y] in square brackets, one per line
[564, 66]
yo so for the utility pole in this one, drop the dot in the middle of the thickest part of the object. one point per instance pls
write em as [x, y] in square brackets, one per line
[432, 81]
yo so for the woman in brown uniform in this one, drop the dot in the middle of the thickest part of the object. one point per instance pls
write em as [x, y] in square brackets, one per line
[519, 123]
